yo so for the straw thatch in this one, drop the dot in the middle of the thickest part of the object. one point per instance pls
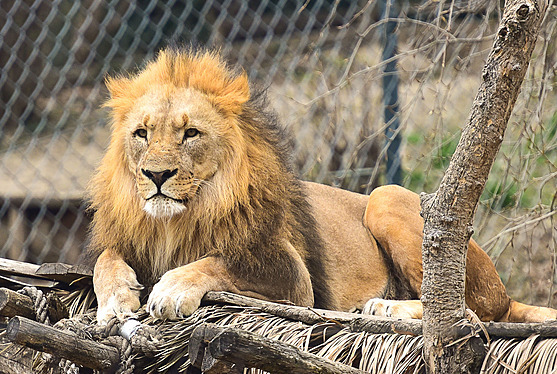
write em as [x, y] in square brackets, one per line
[374, 353]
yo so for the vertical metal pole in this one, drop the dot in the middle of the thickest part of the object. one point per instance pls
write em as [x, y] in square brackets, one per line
[390, 95]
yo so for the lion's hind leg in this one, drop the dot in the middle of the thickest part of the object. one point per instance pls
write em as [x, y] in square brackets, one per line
[393, 218]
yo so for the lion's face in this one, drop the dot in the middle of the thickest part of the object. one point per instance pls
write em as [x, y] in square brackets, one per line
[176, 143]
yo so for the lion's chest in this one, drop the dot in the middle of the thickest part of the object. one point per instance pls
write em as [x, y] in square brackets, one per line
[167, 249]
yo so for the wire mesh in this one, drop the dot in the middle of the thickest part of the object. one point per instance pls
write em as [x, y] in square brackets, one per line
[363, 85]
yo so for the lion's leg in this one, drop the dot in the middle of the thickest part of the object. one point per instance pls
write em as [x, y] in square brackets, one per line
[116, 287]
[485, 292]
[393, 217]
[179, 292]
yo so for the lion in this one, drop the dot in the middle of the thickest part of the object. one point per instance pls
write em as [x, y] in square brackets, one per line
[197, 193]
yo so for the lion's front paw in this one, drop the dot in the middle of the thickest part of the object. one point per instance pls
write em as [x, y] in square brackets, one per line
[394, 308]
[118, 300]
[174, 297]
[117, 291]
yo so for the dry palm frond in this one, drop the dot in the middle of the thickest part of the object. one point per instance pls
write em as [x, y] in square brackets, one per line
[79, 301]
[373, 353]
[529, 356]
[376, 353]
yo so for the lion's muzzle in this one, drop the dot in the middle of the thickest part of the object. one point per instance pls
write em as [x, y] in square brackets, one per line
[159, 177]
[163, 197]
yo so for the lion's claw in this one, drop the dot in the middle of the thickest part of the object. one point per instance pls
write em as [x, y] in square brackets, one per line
[173, 297]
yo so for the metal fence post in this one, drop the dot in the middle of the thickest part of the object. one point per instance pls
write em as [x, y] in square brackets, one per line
[390, 94]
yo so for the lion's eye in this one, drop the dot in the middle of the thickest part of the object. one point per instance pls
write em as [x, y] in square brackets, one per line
[190, 133]
[142, 133]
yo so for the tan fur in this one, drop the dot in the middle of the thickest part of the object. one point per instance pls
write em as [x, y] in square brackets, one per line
[195, 194]
[392, 215]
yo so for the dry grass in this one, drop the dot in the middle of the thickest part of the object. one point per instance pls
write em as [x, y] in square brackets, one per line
[373, 353]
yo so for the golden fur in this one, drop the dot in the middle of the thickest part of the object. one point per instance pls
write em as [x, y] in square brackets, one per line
[231, 200]
[196, 193]
[114, 187]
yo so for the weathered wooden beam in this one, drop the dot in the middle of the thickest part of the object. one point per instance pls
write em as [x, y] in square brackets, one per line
[314, 315]
[210, 345]
[48, 271]
[17, 267]
[509, 330]
[23, 273]
[64, 272]
[63, 344]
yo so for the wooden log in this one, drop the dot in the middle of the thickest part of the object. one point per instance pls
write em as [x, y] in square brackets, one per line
[63, 344]
[23, 273]
[46, 274]
[15, 304]
[306, 314]
[200, 356]
[521, 330]
[254, 351]
[495, 330]
[213, 366]
[375, 324]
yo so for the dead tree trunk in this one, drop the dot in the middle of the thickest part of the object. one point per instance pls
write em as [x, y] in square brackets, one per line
[449, 212]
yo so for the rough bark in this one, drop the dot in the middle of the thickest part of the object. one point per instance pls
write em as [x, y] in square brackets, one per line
[449, 212]
[14, 304]
[64, 344]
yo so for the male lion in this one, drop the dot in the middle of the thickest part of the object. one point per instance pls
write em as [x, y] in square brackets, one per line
[196, 193]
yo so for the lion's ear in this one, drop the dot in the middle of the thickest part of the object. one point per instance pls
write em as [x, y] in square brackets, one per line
[234, 95]
[120, 100]
[116, 85]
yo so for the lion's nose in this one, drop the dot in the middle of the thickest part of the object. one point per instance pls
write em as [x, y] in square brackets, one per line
[159, 177]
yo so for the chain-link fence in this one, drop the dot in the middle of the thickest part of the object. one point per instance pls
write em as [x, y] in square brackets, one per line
[375, 91]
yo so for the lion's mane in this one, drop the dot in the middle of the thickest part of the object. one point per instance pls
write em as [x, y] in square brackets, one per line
[257, 203]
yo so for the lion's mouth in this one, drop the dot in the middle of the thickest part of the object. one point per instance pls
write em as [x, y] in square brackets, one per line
[163, 196]
[160, 205]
